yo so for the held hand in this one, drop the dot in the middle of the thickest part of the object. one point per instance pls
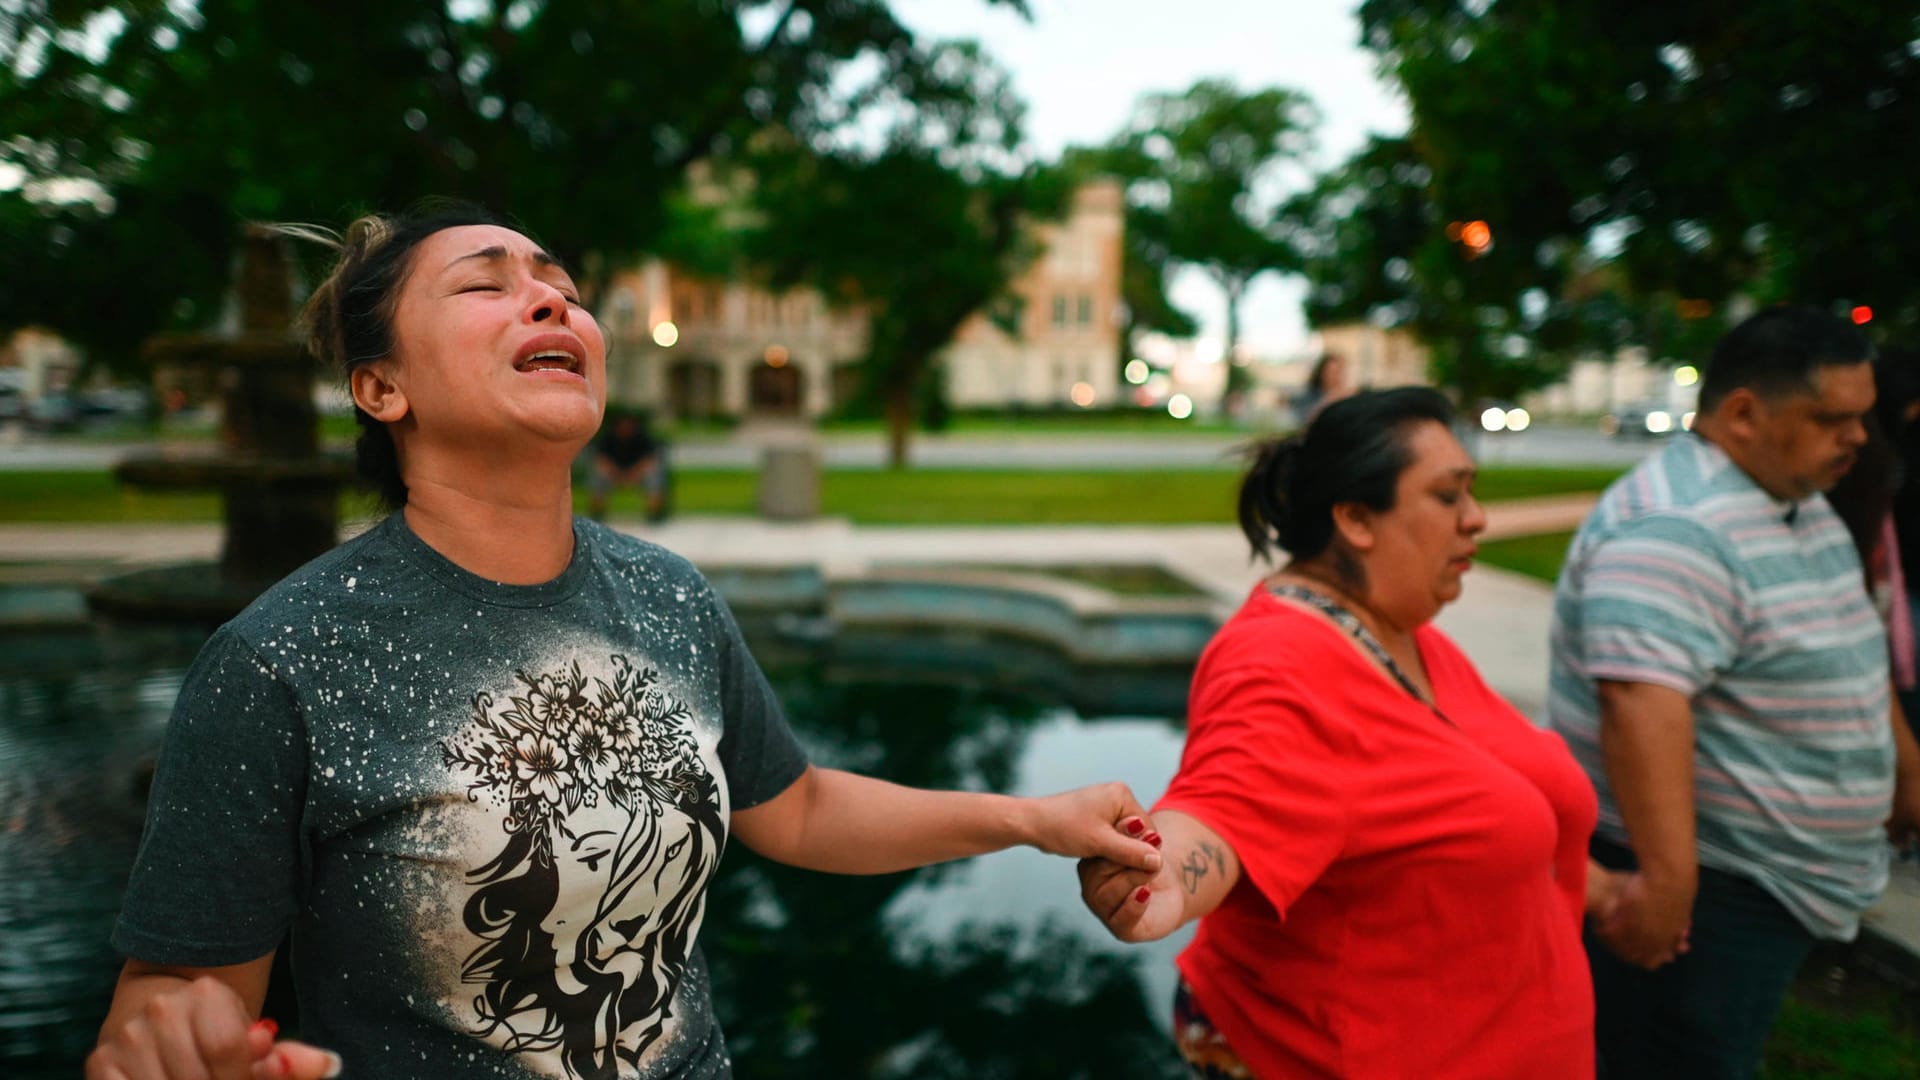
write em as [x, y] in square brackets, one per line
[1096, 822]
[1603, 892]
[1648, 927]
[1135, 905]
[203, 1029]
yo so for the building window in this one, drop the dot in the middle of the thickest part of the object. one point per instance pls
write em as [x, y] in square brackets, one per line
[1084, 314]
[1059, 312]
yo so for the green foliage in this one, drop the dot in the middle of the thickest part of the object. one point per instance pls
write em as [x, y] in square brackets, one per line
[142, 149]
[920, 231]
[1715, 150]
[1202, 169]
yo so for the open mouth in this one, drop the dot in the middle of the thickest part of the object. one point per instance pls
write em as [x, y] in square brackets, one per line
[550, 360]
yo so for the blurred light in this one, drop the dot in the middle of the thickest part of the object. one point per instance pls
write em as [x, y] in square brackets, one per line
[1518, 419]
[1694, 309]
[1862, 315]
[1494, 419]
[1179, 406]
[776, 356]
[1137, 371]
[1083, 394]
[1143, 397]
[1453, 231]
[665, 334]
[1686, 375]
[1659, 422]
[1477, 235]
[1686, 420]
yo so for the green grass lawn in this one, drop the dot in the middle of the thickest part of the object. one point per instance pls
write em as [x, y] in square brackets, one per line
[1535, 556]
[864, 496]
[1843, 1022]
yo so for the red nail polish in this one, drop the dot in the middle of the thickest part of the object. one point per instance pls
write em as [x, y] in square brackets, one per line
[1153, 838]
[282, 1064]
[267, 1025]
[1134, 827]
[1141, 894]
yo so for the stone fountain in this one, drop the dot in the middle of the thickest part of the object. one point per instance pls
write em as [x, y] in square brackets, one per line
[280, 491]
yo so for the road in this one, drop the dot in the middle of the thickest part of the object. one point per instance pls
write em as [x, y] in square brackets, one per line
[1542, 445]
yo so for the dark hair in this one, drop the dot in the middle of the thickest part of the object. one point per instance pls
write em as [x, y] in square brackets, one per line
[1318, 379]
[1354, 451]
[349, 318]
[1775, 353]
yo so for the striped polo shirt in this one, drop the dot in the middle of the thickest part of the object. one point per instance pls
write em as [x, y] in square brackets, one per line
[1688, 575]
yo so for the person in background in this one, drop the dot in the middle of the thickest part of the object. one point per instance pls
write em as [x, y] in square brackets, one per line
[1722, 677]
[1866, 499]
[1326, 384]
[475, 767]
[628, 455]
[1388, 862]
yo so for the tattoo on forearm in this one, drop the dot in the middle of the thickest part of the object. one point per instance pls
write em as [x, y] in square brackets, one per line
[1199, 861]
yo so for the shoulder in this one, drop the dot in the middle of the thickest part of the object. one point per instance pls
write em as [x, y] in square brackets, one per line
[631, 553]
[335, 577]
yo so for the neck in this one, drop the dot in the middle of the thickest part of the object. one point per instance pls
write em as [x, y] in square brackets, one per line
[1357, 600]
[1740, 453]
[518, 534]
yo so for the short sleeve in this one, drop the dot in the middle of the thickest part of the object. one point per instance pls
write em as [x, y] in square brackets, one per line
[1265, 770]
[218, 875]
[1659, 605]
[757, 747]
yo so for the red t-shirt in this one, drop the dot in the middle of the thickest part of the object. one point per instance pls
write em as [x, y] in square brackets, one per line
[1411, 890]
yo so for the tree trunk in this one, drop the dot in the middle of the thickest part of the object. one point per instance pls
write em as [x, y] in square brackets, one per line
[899, 408]
[1231, 384]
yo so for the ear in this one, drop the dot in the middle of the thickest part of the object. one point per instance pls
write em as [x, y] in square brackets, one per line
[1353, 523]
[1740, 415]
[377, 394]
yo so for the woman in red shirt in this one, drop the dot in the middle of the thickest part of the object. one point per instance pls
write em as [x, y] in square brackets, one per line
[1388, 861]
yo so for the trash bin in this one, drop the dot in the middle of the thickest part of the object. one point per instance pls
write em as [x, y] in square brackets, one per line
[789, 483]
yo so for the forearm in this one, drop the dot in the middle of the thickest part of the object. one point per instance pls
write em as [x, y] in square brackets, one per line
[844, 823]
[1205, 866]
[1646, 742]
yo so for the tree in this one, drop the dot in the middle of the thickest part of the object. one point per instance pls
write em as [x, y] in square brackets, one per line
[1724, 149]
[143, 132]
[922, 228]
[1206, 170]
[1377, 243]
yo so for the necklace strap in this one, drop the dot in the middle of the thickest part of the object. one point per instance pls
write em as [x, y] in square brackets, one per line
[1349, 622]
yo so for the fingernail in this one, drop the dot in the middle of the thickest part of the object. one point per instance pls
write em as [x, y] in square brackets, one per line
[1153, 838]
[282, 1064]
[1142, 894]
[1135, 826]
[267, 1025]
[334, 1066]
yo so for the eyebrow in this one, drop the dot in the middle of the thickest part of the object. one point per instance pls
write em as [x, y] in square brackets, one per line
[499, 253]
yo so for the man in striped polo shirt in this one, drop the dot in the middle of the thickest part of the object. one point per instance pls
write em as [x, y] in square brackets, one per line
[1721, 674]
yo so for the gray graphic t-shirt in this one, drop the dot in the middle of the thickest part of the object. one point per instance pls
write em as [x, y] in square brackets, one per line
[486, 813]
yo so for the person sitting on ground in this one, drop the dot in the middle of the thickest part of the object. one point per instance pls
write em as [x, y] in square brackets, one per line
[477, 766]
[1387, 860]
[627, 455]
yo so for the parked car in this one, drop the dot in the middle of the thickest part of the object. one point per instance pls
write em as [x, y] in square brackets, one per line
[1646, 420]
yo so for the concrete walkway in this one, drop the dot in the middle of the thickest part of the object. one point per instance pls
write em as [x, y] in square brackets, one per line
[1501, 621]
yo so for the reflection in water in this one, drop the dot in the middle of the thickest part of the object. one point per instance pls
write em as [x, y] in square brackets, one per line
[984, 968]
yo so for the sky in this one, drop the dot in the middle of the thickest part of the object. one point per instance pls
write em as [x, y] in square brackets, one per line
[1082, 64]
